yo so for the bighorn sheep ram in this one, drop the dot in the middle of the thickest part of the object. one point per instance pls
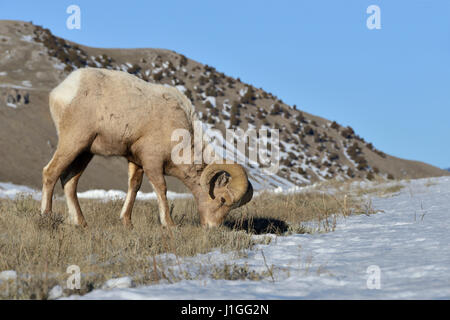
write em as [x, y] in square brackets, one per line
[113, 113]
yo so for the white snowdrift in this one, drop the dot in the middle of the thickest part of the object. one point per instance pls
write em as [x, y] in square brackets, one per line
[11, 191]
[408, 241]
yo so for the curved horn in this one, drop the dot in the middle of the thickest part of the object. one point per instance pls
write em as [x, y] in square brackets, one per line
[237, 187]
[247, 196]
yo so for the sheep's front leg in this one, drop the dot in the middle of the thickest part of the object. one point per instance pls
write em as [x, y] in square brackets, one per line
[135, 174]
[158, 183]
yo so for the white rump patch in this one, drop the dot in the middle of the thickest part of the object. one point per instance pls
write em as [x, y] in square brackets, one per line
[67, 90]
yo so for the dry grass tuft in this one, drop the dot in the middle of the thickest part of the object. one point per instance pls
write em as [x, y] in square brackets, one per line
[380, 191]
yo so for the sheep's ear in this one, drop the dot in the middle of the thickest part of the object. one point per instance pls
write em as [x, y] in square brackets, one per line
[222, 180]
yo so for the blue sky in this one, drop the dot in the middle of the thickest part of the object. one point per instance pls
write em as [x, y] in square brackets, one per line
[391, 85]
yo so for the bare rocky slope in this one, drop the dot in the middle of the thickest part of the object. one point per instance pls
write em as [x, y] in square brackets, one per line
[33, 61]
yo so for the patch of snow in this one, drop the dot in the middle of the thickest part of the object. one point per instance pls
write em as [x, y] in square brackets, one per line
[157, 70]
[27, 83]
[27, 38]
[120, 283]
[55, 293]
[11, 191]
[181, 88]
[8, 275]
[212, 100]
[13, 86]
[59, 66]
[407, 242]
[118, 194]
[3, 73]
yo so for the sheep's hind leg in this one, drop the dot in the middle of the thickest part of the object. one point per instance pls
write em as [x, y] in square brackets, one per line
[69, 182]
[64, 155]
[135, 174]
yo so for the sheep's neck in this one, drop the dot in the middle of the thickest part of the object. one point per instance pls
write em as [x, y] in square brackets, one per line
[189, 174]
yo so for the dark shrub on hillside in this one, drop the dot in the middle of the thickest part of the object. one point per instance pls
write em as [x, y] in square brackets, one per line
[234, 120]
[234, 114]
[214, 78]
[286, 113]
[357, 137]
[308, 130]
[335, 125]
[350, 173]
[68, 68]
[208, 68]
[215, 112]
[188, 93]
[260, 115]
[230, 82]
[333, 156]
[300, 117]
[276, 109]
[134, 69]
[347, 133]
[143, 76]
[295, 127]
[326, 164]
[157, 76]
[354, 150]
[286, 162]
[211, 91]
[235, 108]
[249, 96]
[208, 105]
[362, 163]
[211, 120]
[390, 176]
[183, 60]
[202, 80]
[199, 90]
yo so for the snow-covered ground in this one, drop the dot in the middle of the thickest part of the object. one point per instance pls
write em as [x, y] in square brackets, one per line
[406, 244]
[11, 191]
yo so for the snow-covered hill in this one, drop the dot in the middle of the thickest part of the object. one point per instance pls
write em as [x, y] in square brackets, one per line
[406, 243]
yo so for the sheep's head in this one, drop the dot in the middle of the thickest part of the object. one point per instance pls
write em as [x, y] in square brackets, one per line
[223, 187]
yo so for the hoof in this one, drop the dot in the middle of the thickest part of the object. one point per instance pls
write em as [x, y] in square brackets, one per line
[169, 224]
[127, 224]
